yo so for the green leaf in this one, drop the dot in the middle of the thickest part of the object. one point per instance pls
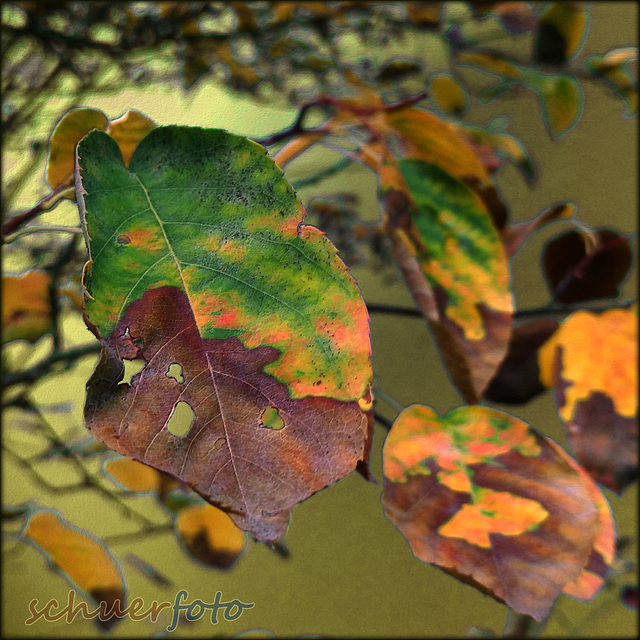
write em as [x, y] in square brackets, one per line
[245, 317]
[209, 213]
[463, 260]
[561, 100]
[484, 497]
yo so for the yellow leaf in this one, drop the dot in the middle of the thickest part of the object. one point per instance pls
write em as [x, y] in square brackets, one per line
[447, 93]
[133, 475]
[26, 310]
[81, 557]
[128, 130]
[210, 535]
[73, 126]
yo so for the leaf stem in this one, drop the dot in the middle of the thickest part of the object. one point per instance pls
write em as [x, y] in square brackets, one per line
[296, 128]
[47, 203]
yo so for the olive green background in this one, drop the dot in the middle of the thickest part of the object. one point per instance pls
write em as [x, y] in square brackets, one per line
[351, 573]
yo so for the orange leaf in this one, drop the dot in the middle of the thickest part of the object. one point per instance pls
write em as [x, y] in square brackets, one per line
[26, 310]
[210, 535]
[592, 364]
[83, 559]
[486, 498]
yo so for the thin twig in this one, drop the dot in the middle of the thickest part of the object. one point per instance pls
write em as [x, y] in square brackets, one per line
[53, 229]
[46, 204]
[35, 373]
[328, 101]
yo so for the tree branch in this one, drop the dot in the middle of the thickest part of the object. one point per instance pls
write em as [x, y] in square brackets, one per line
[33, 374]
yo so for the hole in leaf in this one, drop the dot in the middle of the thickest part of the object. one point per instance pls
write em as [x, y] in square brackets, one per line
[271, 418]
[122, 239]
[181, 419]
[131, 368]
[175, 372]
[217, 444]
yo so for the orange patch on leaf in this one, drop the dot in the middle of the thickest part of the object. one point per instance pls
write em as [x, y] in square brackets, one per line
[495, 512]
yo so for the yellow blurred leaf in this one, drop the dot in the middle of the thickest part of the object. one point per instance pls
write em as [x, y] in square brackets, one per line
[210, 535]
[73, 126]
[561, 101]
[83, 559]
[448, 93]
[26, 310]
[591, 362]
[133, 475]
[128, 130]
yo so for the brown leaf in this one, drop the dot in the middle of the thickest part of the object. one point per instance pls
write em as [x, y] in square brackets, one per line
[228, 455]
[487, 499]
[576, 272]
[518, 378]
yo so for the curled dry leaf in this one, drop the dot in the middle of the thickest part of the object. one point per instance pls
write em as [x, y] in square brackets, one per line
[598, 403]
[518, 378]
[83, 559]
[26, 306]
[484, 497]
[200, 267]
[577, 269]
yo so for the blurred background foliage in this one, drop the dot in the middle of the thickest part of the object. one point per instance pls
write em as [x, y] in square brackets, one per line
[514, 78]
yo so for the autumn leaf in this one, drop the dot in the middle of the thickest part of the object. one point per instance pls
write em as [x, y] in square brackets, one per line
[128, 130]
[83, 559]
[137, 477]
[448, 93]
[484, 497]
[578, 268]
[591, 363]
[613, 68]
[561, 102]
[561, 32]
[490, 62]
[199, 260]
[210, 535]
[463, 284]
[26, 306]
[518, 378]
[492, 144]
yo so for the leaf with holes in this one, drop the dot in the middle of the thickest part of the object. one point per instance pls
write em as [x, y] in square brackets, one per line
[598, 403]
[484, 497]
[201, 267]
[83, 559]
